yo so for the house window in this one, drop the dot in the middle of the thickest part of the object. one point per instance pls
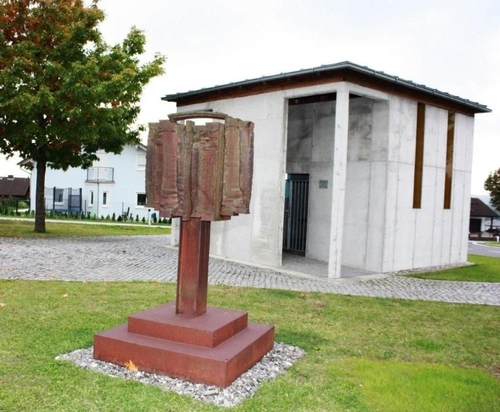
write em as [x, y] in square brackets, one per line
[419, 157]
[105, 198]
[450, 143]
[91, 198]
[141, 199]
[141, 161]
[58, 195]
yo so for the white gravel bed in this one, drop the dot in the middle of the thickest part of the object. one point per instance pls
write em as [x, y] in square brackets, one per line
[275, 363]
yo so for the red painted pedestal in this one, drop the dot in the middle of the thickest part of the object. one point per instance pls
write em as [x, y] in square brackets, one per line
[214, 348]
[187, 339]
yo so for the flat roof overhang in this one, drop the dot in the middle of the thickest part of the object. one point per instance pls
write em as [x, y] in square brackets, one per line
[339, 72]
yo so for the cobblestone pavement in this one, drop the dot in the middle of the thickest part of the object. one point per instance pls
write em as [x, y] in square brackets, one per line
[149, 258]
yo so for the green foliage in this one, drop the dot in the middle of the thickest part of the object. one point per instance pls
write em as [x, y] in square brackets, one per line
[64, 92]
[492, 185]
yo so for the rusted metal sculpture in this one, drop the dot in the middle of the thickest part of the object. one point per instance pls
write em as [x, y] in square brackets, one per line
[199, 174]
[202, 172]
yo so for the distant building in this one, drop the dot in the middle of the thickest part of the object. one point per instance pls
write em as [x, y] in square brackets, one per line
[113, 185]
[482, 218]
[15, 187]
[352, 167]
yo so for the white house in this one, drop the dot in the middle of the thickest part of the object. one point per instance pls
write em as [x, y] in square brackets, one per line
[352, 167]
[113, 185]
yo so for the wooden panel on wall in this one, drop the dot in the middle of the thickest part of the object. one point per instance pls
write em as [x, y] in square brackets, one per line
[419, 157]
[450, 145]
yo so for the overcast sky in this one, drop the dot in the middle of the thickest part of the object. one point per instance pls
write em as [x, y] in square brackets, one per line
[450, 45]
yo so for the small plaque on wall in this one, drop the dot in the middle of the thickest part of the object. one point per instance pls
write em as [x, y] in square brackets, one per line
[323, 184]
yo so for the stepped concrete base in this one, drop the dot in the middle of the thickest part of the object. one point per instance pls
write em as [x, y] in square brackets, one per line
[214, 348]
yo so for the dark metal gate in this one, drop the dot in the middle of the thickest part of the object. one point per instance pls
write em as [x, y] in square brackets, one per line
[296, 206]
[75, 200]
[64, 200]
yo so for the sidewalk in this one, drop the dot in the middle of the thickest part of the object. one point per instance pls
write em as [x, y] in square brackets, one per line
[150, 258]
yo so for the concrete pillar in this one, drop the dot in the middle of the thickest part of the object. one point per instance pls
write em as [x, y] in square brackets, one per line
[338, 182]
[175, 232]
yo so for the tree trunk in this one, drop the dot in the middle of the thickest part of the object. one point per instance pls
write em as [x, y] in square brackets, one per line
[41, 167]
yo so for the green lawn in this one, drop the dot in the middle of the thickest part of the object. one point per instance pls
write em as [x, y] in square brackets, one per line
[25, 228]
[485, 269]
[363, 354]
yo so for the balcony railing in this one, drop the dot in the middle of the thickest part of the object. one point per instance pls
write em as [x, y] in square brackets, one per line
[100, 175]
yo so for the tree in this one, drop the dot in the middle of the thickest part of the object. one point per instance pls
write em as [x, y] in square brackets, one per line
[65, 93]
[492, 185]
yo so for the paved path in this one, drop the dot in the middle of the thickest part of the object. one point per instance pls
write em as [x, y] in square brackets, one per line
[149, 258]
[484, 248]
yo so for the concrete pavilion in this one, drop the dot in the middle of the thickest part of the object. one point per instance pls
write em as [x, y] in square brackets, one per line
[352, 167]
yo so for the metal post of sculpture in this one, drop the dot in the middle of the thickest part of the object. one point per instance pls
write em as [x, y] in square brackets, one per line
[199, 174]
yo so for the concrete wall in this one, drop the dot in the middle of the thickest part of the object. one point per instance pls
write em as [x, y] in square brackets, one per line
[129, 180]
[311, 129]
[381, 231]
[310, 150]
[366, 184]
[256, 237]
[431, 235]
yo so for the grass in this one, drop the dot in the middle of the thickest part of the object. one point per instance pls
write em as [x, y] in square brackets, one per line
[25, 228]
[363, 354]
[389, 386]
[485, 269]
